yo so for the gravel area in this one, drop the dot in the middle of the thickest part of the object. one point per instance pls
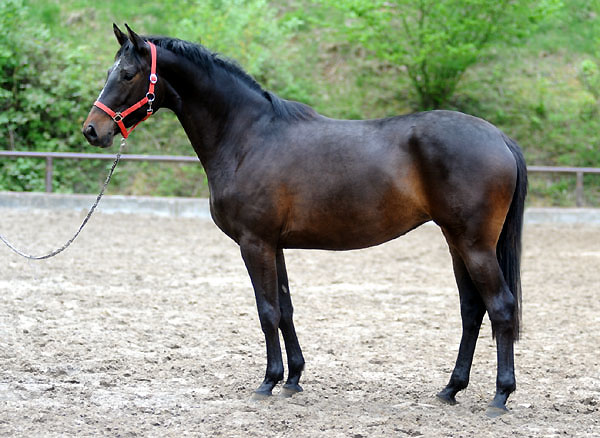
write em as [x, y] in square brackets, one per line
[147, 326]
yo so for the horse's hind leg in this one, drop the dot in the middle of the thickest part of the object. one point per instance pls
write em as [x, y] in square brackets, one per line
[286, 325]
[472, 309]
[482, 264]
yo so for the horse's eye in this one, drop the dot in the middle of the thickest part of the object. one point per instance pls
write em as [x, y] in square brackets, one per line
[128, 76]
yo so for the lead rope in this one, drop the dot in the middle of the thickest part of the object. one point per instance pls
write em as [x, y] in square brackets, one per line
[92, 208]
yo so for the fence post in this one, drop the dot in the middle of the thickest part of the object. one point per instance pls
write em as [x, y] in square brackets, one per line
[48, 174]
[579, 190]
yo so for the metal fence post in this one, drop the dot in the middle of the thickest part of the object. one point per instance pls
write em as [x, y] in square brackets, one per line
[579, 190]
[48, 174]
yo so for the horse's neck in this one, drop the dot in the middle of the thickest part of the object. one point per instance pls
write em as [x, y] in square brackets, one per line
[216, 113]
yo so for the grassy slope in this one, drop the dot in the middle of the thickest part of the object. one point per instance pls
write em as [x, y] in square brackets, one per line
[532, 92]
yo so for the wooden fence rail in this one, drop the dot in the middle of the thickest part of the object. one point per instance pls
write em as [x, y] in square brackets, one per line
[50, 156]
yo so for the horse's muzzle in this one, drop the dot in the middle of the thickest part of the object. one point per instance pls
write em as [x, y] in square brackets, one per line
[90, 132]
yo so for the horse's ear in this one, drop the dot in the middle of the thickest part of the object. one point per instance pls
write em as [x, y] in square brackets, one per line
[121, 37]
[138, 42]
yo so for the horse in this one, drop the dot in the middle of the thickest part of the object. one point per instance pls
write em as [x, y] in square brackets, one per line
[283, 176]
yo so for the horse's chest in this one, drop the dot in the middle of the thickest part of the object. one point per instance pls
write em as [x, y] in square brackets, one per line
[243, 215]
[222, 217]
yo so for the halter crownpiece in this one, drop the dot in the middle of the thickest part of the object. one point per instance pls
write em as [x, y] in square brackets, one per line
[148, 99]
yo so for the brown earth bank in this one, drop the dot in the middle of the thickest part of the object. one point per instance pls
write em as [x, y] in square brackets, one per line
[147, 326]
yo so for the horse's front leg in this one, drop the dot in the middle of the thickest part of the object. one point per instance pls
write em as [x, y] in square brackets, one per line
[259, 258]
[292, 347]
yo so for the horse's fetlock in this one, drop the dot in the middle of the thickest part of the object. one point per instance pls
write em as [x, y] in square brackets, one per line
[296, 366]
[506, 384]
[458, 383]
[274, 375]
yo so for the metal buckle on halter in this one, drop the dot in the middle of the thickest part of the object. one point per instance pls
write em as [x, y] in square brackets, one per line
[150, 97]
[153, 78]
[117, 117]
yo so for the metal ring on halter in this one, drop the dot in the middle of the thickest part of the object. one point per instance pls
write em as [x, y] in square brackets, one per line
[150, 96]
[117, 117]
[153, 78]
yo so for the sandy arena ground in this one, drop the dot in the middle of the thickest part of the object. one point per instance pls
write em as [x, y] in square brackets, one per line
[147, 326]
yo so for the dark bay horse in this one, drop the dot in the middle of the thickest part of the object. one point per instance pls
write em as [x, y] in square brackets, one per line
[282, 176]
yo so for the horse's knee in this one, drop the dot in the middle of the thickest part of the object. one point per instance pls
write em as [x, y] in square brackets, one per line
[269, 317]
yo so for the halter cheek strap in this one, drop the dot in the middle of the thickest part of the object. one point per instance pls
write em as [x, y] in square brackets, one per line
[148, 99]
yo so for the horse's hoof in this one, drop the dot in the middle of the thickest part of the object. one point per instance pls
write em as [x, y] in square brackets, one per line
[496, 411]
[446, 398]
[260, 395]
[288, 390]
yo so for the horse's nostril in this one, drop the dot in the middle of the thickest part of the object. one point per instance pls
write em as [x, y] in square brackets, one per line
[90, 133]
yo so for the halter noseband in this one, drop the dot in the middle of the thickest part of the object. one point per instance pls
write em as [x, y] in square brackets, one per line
[148, 99]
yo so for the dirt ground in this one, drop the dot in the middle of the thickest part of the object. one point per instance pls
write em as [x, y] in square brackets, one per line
[147, 326]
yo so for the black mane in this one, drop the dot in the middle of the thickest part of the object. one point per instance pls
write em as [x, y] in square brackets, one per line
[208, 61]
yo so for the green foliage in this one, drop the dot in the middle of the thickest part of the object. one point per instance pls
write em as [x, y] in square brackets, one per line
[22, 174]
[248, 31]
[573, 30]
[44, 88]
[347, 58]
[589, 73]
[436, 41]
[590, 77]
[44, 95]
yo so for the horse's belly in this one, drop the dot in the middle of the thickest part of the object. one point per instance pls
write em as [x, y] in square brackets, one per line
[337, 228]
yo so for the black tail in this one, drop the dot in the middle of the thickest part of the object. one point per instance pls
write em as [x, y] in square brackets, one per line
[508, 249]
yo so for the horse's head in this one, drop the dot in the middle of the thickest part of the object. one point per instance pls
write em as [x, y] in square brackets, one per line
[128, 94]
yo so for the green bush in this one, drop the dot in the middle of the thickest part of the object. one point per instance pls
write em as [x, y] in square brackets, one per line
[251, 32]
[347, 58]
[437, 41]
[45, 93]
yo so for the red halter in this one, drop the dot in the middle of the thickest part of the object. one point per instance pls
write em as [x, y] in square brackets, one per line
[148, 99]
